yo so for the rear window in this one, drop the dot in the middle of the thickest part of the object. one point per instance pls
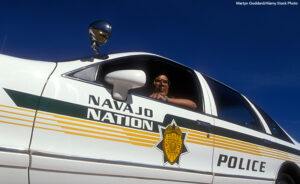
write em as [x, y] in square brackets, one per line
[232, 107]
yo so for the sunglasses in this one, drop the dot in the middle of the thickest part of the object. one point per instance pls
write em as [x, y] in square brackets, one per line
[163, 81]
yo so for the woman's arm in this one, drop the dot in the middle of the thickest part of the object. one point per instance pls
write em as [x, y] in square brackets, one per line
[177, 101]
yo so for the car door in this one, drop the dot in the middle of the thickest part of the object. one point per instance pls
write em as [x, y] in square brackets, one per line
[242, 153]
[83, 134]
[21, 81]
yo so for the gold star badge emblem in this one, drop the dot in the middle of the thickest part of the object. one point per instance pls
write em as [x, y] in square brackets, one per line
[172, 143]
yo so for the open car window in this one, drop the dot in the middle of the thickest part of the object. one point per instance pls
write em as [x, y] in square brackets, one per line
[184, 83]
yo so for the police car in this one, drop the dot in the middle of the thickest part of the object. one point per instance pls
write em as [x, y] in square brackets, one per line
[92, 120]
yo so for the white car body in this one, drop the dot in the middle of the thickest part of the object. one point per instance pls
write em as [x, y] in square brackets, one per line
[61, 125]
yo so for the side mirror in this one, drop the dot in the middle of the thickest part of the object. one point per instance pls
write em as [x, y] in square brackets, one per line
[124, 80]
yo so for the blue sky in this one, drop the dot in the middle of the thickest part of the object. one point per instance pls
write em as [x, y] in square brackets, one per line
[253, 49]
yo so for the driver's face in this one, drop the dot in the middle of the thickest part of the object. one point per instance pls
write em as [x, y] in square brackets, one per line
[161, 85]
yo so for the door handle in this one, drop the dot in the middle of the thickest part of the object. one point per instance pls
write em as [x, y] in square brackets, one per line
[204, 126]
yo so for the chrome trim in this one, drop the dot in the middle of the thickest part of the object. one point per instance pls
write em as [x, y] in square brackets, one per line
[13, 150]
[76, 158]
[121, 176]
[14, 167]
[243, 177]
